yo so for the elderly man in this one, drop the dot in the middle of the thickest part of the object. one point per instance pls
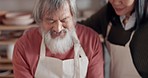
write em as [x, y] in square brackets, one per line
[58, 48]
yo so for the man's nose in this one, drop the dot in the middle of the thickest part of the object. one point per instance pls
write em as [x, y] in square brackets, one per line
[58, 26]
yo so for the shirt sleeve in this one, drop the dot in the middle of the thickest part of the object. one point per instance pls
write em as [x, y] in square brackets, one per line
[20, 65]
[96, 63]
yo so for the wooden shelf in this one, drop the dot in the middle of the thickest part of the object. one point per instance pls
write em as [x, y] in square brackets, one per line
[6, 64]
[4, 60]
[7, 42]
[8, 27]
[6, 67]
[8, 76]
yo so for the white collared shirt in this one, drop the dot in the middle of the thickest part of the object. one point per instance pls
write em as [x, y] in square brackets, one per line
[130, 23]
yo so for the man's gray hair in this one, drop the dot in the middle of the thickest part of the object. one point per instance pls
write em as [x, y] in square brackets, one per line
[50, 6]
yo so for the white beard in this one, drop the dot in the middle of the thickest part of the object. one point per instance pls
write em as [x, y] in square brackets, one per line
[59, 45]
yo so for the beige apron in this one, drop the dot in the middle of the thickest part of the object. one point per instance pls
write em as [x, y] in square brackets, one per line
[121, 61]
[49, 67]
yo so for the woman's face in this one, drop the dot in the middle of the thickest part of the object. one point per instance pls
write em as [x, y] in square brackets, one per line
[122, 7]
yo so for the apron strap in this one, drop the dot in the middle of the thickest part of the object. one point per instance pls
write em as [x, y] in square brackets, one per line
[130, 38]
[42, 47]
[78, 52]
[108, 30]
[76, 56]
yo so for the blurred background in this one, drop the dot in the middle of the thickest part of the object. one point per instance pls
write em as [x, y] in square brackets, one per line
[86, 7]
[15, 18]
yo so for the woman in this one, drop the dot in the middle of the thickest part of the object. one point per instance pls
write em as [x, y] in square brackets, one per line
[124, 26]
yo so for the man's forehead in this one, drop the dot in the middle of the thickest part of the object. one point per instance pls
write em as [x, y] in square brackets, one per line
[58, 13]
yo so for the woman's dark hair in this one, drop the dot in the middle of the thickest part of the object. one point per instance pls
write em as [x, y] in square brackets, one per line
[141, 7]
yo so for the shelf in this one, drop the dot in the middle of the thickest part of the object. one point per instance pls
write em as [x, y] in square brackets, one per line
[8, 76]
[5, 60]
[6, 66]
[7, 42]
[8, 27]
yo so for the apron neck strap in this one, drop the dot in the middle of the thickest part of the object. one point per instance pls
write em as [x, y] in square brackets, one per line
[42, 47]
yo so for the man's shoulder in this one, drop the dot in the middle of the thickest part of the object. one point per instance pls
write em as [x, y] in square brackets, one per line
[29, 34]
[85, 33]
[31, 30]
[85, 29]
